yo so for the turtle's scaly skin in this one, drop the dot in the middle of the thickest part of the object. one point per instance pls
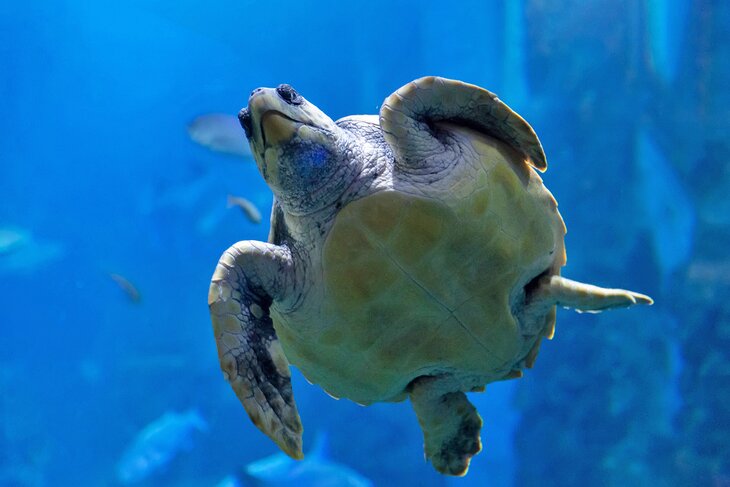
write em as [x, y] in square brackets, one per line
[412, 255]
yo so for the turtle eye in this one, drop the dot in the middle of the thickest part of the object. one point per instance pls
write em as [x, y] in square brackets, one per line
[289, 95]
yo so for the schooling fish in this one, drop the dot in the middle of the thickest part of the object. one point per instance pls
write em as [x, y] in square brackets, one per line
[316, 470]
[248, 208]
[158, 444]
[221, 133]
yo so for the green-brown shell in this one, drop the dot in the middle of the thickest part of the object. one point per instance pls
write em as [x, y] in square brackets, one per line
[417, 284]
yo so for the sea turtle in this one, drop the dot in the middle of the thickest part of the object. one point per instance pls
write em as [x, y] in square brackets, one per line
[415, 254]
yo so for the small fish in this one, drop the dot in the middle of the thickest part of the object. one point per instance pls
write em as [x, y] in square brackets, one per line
[712, 272]
[158, 444]
[316, 470]
[248, 208]
[21, 253]
[220, 132]
[129, 289]
[12, 239]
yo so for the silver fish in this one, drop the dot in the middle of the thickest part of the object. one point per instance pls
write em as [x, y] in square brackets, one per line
[157, 445]
[22, 253]
[316, 470]
[11, 239]
[248, 208]
[220, 132]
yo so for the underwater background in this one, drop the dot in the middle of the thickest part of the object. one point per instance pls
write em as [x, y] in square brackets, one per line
[113, 216]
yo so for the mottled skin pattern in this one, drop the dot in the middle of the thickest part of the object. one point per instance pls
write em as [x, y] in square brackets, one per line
[416, 254]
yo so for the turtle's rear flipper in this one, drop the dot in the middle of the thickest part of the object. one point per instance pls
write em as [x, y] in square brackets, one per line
[586, 297]
[248, 277]
[450, 425]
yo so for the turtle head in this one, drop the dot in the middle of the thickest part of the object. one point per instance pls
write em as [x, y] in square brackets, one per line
[300, 151]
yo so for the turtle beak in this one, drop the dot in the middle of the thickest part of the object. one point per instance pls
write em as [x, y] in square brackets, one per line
[260, 103]
[244, 117]
[277, 128]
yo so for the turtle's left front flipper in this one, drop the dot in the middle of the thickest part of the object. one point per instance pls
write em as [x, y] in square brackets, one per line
[249, 277]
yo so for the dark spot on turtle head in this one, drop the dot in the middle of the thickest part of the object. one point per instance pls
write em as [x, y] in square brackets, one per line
[289, 95]
[244, 117]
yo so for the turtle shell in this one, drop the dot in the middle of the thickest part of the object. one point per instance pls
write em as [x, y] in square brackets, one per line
[423, 280]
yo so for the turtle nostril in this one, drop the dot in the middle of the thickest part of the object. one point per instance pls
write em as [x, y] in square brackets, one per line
[244, 116]
[289, 94]
[255, 91]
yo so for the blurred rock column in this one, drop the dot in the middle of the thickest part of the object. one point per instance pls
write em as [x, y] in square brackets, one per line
[703, 456]
[596, 408]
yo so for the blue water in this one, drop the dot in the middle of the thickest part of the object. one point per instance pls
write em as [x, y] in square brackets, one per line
[98, 176]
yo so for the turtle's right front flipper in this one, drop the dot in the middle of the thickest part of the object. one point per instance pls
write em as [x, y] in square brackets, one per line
[249, 276]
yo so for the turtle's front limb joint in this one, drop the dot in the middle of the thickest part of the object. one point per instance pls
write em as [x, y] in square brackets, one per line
[585, 297]
[450, 425]
[248, 277]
